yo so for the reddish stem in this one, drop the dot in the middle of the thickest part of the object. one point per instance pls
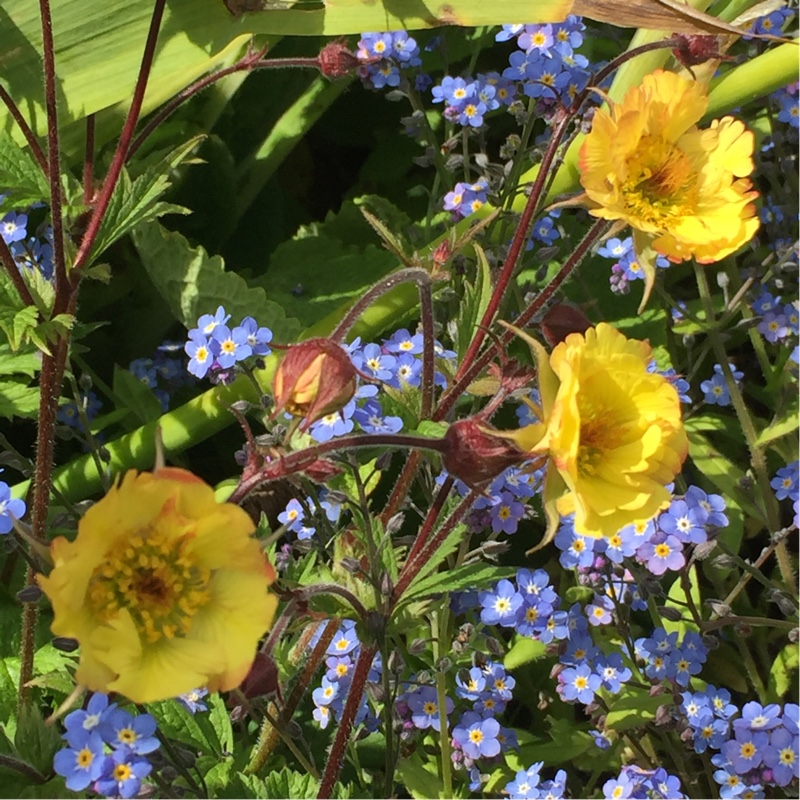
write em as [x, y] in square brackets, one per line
[248, 63]
[412, 567]
[517, 243]
[53, 158]
[334, 764]
[533, 308]
[30, 137]
[431, 517]
[303, 459]
[13, 272]
[111, 179]
[50, 379]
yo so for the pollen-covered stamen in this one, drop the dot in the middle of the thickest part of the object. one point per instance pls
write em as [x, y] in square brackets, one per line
[155, 580]
[660, 181]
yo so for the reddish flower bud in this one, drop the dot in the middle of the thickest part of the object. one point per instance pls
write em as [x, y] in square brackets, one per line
[562, 320]
[472, 453]
[262, 678]
[336, 61]
[697, 49]
[315, 378]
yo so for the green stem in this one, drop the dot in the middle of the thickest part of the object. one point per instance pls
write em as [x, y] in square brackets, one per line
[757, 458]
[441, 638]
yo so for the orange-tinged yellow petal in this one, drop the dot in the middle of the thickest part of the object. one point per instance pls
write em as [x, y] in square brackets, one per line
[684, 190]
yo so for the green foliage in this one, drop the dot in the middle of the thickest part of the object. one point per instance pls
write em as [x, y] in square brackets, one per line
[326, 265]
[194, 283]
[21, 177]
[137, 201]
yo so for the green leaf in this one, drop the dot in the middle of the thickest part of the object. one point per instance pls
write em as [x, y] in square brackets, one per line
[314, 274]
[420, 778]
[137, 201]
[722, 472]
[433, 430]
[194, 283]
[23, 362]
[781, 674]
[455, 580]
[220, 720]
[178, 723]
[36, 742]
[20, 176]
[475, 301]
[523, 651]
[288, 783]
[18, 400]
[782, 426]
[135, 396]
[633, 708]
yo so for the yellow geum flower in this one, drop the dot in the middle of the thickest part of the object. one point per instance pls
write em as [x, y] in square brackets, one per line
[164, 588]
[684, 190]
[611, 431]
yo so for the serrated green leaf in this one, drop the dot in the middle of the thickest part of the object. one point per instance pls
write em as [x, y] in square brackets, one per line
[178, 723]
[194, 283]
[220, 720]
[24, 322]
[314, 274]
[455, 580]
[19, 363]
[288, 783]
[36, 742]
[137, 201]
[135, 396]
[18, 400]
[20, 176]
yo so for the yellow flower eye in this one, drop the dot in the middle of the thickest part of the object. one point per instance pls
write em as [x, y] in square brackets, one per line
[164, 588]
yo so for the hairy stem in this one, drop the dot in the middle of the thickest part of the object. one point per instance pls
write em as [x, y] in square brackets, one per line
[114, 171]
[53, 158]
[30, 137]
[334, 764]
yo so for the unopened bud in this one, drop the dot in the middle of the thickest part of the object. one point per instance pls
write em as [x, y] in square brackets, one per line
[672, 614]
[472, 453]
[65, 644]
[315, 378]
[336, 61]
[494, 646]
[719, 608]
[417, 646]
[30, 594]
[262, 678]
[694, 49]
[562, 320]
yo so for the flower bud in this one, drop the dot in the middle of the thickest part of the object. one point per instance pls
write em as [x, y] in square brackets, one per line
[474, 454]
[315, 378]
[336, 61]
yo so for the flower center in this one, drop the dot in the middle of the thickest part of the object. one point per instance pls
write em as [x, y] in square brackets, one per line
[121, 772]
[154, 578]
[660, 181]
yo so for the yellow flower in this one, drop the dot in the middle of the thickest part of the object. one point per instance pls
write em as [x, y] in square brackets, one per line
[612, 432]
[163, 587]
[684, 190]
